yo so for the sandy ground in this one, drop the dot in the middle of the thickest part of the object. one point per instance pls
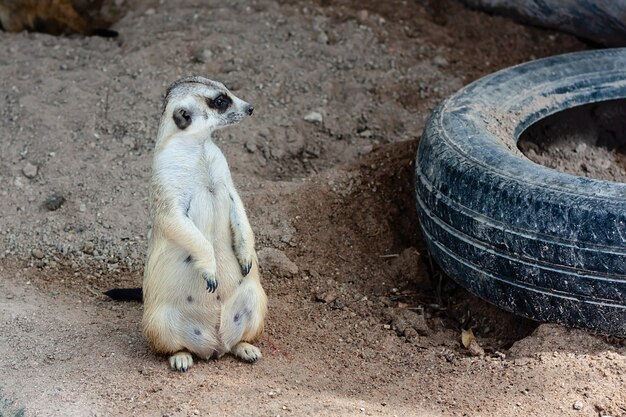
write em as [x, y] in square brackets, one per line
[359, 323]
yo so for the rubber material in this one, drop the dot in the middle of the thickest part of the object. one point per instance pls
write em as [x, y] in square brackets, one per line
[602, 22]
[540, 243]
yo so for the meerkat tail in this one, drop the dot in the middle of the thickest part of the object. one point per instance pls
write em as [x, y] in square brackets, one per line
[125, 294]
[104, 33]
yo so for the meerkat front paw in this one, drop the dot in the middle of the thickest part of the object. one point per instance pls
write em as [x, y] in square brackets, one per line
[208, 273]
[181, 361]
[211, 281]
[247, 352]
[246, 266]
[244, 256]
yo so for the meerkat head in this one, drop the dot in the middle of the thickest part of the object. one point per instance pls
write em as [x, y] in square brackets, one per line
[197, 104]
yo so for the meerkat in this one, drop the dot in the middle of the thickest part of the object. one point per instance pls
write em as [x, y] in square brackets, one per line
[56, 17]
[201, 288]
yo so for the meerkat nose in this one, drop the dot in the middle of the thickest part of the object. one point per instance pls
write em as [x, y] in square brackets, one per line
[250, 109]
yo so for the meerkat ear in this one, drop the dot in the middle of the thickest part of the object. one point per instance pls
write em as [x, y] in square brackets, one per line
[182, 118]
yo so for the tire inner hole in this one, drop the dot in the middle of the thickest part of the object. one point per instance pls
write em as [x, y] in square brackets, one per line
[588, 140]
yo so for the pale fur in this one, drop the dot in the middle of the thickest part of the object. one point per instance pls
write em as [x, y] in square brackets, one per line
[196, 211]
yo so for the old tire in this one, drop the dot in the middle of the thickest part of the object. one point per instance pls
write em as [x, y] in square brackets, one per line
[602, 22]
[540, 243]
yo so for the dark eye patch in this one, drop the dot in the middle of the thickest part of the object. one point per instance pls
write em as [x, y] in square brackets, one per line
[220, 103]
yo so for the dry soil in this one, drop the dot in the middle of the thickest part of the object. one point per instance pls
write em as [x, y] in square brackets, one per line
[359, 322]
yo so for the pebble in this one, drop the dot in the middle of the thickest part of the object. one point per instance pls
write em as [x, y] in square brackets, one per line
[54, 202]
[322, 38]
[250, 147]
[314, 117]
[578, 405]
[440, 61]
[202, 55]
[362, 16]
[475, 349]
[366, 133]
[29, 170]
[328, 297]
[37, 253]
[275, 260]
[82, 207]
[403, 319]
[88, 248]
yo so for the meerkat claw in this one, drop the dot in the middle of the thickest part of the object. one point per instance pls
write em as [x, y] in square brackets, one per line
[245, 269]
[181, 361]
[247, 352]
[211, 282]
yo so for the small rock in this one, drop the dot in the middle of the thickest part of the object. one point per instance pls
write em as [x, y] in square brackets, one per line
[440, 61]
[250, 146]
[499, 355]
[314, 117]
[128, 141]
[328, 297]
[82, 207]
[362, 16]
[475, 349]
[202, 55]
[365, 149]
[29, 170]
[37, 253]
[276, 261]
[366, 134]
[88, 248]
[150, 12]
[322, 38]
[54, 202]
[411, 334]
[403, 319]
[578, 405]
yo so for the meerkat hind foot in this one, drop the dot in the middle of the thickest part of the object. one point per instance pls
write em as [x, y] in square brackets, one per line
[246, 352]
[181, 361]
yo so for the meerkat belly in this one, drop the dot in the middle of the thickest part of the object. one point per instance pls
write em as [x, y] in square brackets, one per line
[210, 212]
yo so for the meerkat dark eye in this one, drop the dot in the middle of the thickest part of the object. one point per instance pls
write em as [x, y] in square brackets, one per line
[220, 103]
